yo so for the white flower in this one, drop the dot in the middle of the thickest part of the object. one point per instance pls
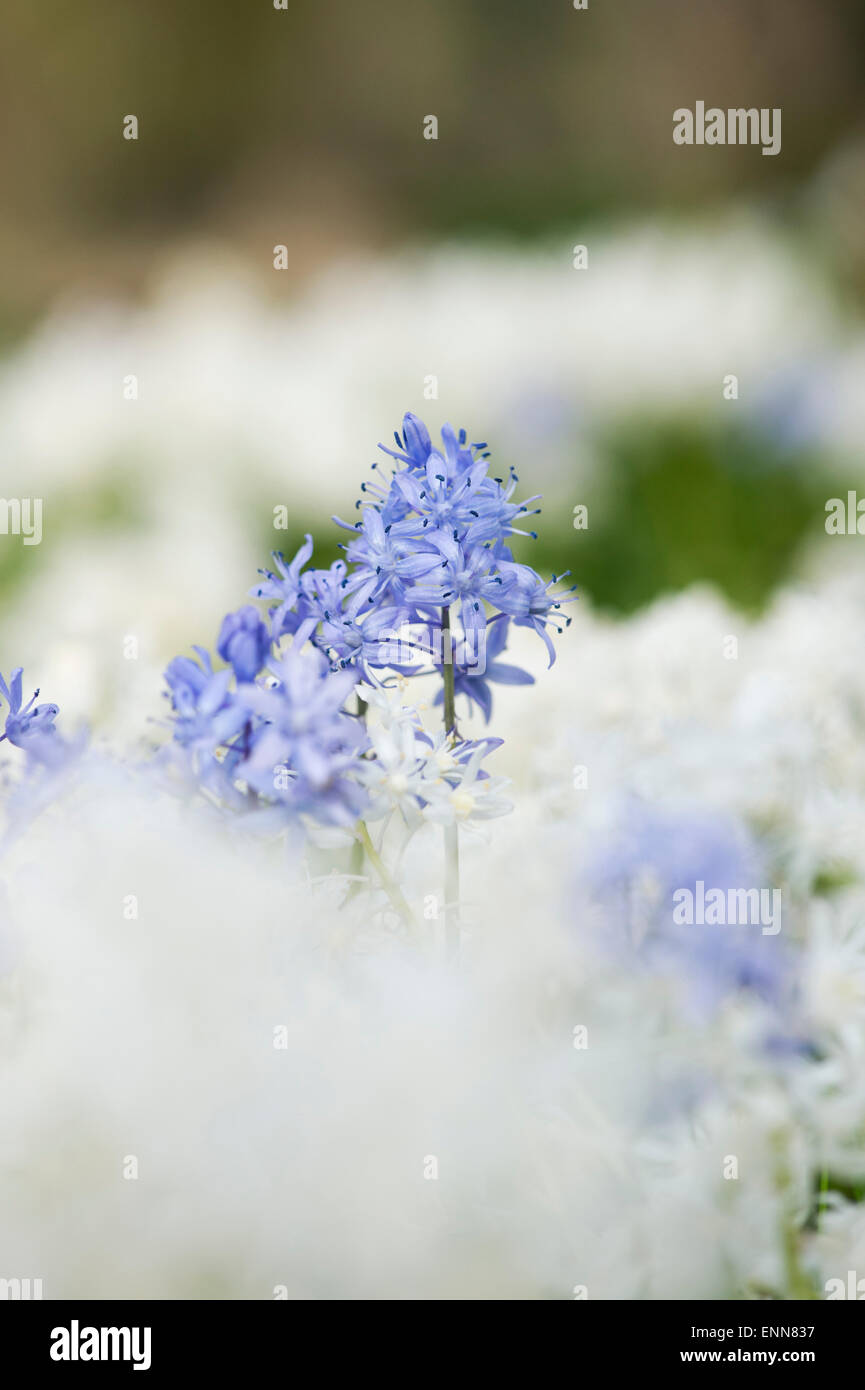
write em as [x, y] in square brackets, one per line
[393, 775]
[463, 795]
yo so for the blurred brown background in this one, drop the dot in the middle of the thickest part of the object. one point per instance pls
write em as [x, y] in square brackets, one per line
[303, 126]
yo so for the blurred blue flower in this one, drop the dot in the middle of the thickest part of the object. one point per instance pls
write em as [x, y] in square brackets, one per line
[207, 711]
[650, 857]
[306, 747]
[244, 642]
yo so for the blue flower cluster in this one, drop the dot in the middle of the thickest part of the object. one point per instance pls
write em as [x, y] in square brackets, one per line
[428, 571]
[430, 552]
[268, 727]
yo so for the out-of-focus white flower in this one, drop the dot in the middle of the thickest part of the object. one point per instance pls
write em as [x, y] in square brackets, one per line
[834, 973]
[231, 388]
[223, 422]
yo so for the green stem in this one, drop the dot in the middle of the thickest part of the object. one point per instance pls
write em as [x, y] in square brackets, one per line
[448, 672]
[356, 855]
[798, 1285]
[392, 889]
[824, 1188]
[355, 863]
[251, 793]
[452, 834]
[355, 868]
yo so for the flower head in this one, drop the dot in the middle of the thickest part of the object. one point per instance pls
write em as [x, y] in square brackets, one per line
[465, 792]
[530, 602]
[285, 586]
[26, 724]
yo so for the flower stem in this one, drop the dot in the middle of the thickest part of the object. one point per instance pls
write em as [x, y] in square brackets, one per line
[798, 1285]
[355, 864]
[448, 672]
[251, 793]
[452, 840]
[824, 1188]
[392, 889]
[452, 891]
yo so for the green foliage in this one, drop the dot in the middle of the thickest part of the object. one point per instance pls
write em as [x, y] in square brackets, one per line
[683, 502]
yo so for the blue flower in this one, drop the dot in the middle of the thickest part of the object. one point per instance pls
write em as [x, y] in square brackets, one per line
[25, 726]
[281, 743]
[207, 712]
[323, 594]
[466, 577]
[284, 586]
[31, 728]
[415, 446]
[493, 513]
[443, 496]
[651, 856]
[306, 748]
[244, 642]
[382, 555]
[432, 537]
[528, 600]
[360, 636]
